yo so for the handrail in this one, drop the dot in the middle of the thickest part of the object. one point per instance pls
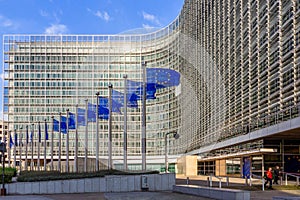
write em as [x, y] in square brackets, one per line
[295, 175]
[218, 177]
[258, 177]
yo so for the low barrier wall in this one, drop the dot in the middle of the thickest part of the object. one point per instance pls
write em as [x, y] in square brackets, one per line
[122, 183]
[214, 193]
[285, 198]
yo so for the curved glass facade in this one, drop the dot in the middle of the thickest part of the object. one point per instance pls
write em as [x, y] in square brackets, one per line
[238, 62]
[46, 75]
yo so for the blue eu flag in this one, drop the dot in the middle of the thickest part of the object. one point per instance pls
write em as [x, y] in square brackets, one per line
[27, 136]
[118, 99]
[81, 116]
[40, 134]
[163, 77]
[157, 78]
[116, 104]
[11, 143]
[55, 125]
[72, 122]
[135, 90]
[46, 131]
[63, 124]
[91, 112]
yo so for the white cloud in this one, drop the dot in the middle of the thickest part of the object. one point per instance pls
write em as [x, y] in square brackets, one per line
[147, 26]
[44, 13]
[56, 29]
[102, 15]
[151, 18]
[5, 22]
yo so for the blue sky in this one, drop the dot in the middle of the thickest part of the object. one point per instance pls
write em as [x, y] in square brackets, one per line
[82, 17]
[85, 16]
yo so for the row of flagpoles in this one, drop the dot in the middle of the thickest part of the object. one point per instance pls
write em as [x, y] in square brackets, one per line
[157, 78]
[63, 125]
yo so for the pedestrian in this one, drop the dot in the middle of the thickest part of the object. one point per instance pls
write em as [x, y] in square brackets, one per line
[276, 175]
[269, 177]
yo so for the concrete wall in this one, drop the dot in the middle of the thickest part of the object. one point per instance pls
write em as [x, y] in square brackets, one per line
[187, 165]
[214, 193]
[126, 183]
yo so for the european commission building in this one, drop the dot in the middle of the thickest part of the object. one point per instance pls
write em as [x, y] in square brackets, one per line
[238, 97]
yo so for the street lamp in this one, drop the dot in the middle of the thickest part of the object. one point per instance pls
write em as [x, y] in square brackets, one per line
[3, 150]
[176, 136]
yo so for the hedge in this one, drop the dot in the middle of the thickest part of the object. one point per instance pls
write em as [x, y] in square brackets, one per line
[32, 176]
[9, 172]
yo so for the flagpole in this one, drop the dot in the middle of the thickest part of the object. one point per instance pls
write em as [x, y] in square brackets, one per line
[125, 122]
[52, 134]
[67, 143]
[110, 127]
[59, 144]
[86, 136]
[39, 146]
[9, 148]
[144, 117]
[20, 149]
[31, 161]
[76, 142]
[26, 149]
[15, 149]
[45, 143]
[97, 132]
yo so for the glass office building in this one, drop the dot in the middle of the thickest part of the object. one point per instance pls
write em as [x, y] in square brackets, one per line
[239, 91]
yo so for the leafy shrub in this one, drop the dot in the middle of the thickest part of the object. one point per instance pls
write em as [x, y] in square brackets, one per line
[9, 172]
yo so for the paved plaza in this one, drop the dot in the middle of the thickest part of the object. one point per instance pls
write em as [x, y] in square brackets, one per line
[165, 195]
[255, 195]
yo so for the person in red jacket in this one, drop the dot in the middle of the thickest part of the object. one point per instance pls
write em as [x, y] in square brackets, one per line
[269, 177]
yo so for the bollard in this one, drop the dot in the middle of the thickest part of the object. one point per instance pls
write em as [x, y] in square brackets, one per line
[187, 180]
[227, 180]
[263, 184]
[280, 180]
[210, 181]
[220, 183]
[285, 179]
